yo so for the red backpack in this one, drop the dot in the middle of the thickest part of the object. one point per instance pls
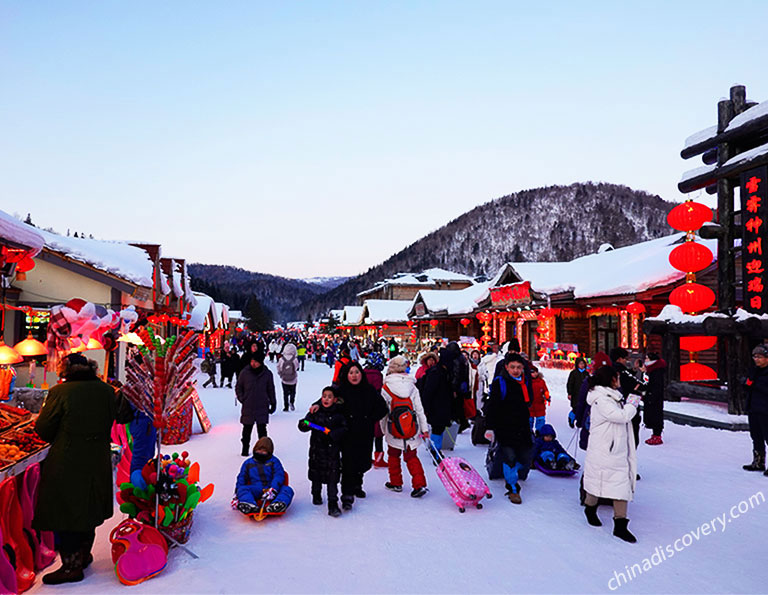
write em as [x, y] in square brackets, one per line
[401, 422]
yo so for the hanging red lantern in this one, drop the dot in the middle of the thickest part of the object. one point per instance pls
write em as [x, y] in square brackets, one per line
[690, 257]
[465, 321]
[689, 216]
[692, 297]
[410, 323]
[483, 316]
[697, 343]
[25, 264]
[635, 308]
[433, 323]
[694, 371]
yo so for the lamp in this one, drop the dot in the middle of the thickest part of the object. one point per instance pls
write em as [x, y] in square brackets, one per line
[30, 347]
[8, 355]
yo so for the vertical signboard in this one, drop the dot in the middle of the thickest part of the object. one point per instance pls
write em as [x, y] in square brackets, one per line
[754, 217]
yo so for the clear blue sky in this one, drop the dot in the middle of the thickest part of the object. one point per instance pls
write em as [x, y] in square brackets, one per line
[319, 138]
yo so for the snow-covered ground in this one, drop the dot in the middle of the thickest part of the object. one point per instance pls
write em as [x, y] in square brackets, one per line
[391, 543]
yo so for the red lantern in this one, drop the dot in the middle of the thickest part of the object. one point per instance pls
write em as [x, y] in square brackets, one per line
[692, 297]
[697, 343]
[25, 264]
[433, 323]
[483, 316]
[689, 216]
[410, 323]
[691, 257]
[465, 321]
[695, 371]
[385, 326]
[635, 308]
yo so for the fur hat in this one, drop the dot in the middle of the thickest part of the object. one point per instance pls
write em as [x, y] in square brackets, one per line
[265, 444]
[397, 365]
[425, 356]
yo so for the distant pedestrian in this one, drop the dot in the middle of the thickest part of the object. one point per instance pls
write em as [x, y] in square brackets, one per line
[757, 407]
[288, 370]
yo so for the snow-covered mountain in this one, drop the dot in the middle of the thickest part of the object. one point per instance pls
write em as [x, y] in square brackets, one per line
[555, 223]
[326, 283]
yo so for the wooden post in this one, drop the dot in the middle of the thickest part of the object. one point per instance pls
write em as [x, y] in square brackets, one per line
[670, 347]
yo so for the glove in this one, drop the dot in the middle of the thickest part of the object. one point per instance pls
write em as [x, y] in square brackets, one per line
[634, 400]
[571, 419]
[272, 409]
[489, 435]
[269, 494]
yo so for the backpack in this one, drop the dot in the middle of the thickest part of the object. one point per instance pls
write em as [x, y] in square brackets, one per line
[205, 367]
[401, 421]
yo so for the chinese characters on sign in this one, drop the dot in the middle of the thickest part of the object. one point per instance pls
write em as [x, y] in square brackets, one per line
[754, 216]
[517, 294]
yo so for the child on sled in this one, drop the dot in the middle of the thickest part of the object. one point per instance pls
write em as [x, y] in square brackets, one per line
[262, 482]
[549, 454]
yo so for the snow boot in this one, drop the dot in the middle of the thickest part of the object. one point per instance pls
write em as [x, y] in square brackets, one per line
[347, 502]
[246, 449]
[276, 507]
[654, 440]
[419, 492]
[620, 530]
[513, 494]
[247, 508]
[71, 570]
[378, 460]
[758, 462]
[317, 500]
[333, 509]
[392, 487]
[359, 493]
[591, 513]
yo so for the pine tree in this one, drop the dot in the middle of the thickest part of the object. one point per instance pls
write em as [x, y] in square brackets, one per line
[257, 318]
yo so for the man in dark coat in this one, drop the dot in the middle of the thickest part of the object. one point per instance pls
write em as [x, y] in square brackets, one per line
[507, 414]
[628, 384]
[255, 389]
[230, 362]
[436, 392]
[75, 494]
[653, 401]
[757, 407]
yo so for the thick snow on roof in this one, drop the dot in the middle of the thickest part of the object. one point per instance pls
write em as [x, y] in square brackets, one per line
[189, 295]
[351, 315]
[178, 290]
[235, 315]
[379, 311]
[427, 278]
[336, 314]
[631, 269]
[705, 169]
[761, 109]
[15, 231]
[120, 259]
[461, 301]
[222, 314]
[701, 136]
[200, 311]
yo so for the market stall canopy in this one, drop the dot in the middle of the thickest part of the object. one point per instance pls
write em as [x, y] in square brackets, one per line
[20, 234]
[385, 311]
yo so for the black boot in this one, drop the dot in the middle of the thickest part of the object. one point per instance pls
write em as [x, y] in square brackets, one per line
[317, 500]
[758, 462]
[71, 570]
[591, 513]
[246, 449]
[347, 501]
[620, 530]
[333, 509]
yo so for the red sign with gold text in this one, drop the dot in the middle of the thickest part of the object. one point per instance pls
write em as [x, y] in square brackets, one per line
[754, 217]
[517, 294]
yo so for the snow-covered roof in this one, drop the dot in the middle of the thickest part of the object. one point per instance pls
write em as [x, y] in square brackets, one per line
[761, 109]
[118, 258]
[460, 301]
[700, 136]
[235, 315]
[351, 315]
[178, 290]
[189, 295]
[389, 311]
[707, 169]
[336, 314]
[222, 314]
[204, 304]
[627, 270]
[427, 278]
[15, 231]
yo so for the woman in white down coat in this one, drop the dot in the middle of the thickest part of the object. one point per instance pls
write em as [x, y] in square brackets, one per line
[610, 468]
[401, 384]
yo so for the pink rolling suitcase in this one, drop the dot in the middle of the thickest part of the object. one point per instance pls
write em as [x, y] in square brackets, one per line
[463, 484]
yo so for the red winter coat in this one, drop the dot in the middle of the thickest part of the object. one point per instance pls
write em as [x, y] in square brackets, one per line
[540, 397]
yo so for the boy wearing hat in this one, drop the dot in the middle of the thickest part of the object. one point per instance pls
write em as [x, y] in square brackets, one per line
[757, 407]
[262, 478]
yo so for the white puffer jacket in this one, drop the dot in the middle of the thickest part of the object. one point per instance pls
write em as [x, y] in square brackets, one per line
[403, 386]
[610, 468]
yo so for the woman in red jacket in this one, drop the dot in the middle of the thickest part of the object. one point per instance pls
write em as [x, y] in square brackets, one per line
[539, 400]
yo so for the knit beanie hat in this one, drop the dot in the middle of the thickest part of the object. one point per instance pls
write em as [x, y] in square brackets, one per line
[265, 444]
[397, 365]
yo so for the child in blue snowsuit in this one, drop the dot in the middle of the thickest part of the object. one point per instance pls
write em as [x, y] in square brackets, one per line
[262, 476]
[549, 453]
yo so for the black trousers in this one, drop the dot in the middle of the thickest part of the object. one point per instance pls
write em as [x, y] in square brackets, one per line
[758, 431]
[333, 490]
[351, 482]
[71, 542]
[289, 394]
[261, 431]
